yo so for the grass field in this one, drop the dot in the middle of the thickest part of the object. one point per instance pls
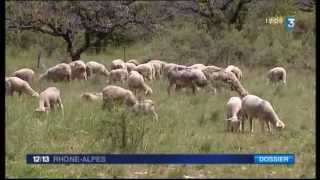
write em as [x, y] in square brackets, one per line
[187, 124]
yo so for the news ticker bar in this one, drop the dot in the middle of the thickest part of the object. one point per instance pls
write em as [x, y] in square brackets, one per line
[160, 158]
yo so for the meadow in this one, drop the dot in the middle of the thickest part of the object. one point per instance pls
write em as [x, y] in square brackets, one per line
[187, 124]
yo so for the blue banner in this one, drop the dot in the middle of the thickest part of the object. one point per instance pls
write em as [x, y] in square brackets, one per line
[160, 159]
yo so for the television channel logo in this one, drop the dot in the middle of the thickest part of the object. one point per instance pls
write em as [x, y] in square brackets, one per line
[289, 23]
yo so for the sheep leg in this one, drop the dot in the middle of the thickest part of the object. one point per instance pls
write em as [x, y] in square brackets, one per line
[61, 105]
[269, 127]
[169, 88]
[155, 115]
[251, 125]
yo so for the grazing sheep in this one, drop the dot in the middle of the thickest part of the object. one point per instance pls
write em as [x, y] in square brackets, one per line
[233, 114]
[147, 70]
[91, 96]
[277, 74]
[93, 67]
[134, 61]
[58, 72]
[192, 78]
[235, 70]
[130, 66]
[147, 106]
[15, 84]
[118, 64]
[78, 70]
[48, 99]
[223, 78]
[115, 94]
[136, 82]
[255, 107]
[25, 74]
[118, 75]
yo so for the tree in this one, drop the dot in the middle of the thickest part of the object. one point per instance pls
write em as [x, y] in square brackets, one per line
[216, 14]
[81, 24]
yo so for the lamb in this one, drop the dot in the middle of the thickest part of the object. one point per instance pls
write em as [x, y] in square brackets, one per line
[115, 94]
[277, 74]
[235, 70]
[58, 72]
[255, 107]
[233, 113]
[118, 75]
[93, 67]
[130, 66]
[147, 106]
[25, 74]
[192, 78]
[136, 82]
[134, 61]
[147, 70]
[91, 96]
[48, 99]
[15, 84]
[118, 64]
[78, 70]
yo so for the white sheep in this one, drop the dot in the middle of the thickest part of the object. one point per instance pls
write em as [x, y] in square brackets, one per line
[15, 84]
[255, 107]
[48, 99]
[91, 96]
[147, 106]
[222, 78]
[115, 94]
[58, 72]
[93, 67]
[147, 70]
[136, 82]
[25, 74]
[118, 64]
[130, 66]
[277, 74]
[78, 70]
[191, 78]
[236, 70]
[118, 75]
[233, 112]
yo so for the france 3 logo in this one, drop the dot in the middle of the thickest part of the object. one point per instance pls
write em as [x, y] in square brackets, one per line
[289, 23]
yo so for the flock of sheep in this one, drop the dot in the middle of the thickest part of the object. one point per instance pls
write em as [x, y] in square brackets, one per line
[135, 76]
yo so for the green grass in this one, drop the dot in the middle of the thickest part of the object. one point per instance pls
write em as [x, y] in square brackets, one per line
[187, 124]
